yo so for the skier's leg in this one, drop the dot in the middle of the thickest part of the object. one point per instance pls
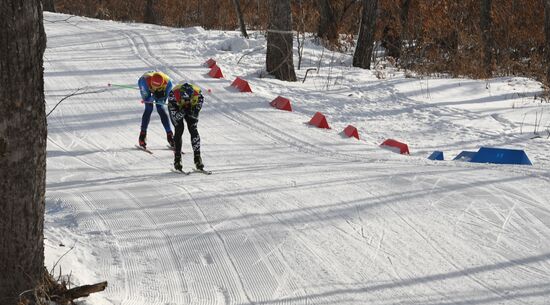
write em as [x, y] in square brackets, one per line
[164, 118]
[195, 140]
[166, 123]
[146, 117]
[179, 127]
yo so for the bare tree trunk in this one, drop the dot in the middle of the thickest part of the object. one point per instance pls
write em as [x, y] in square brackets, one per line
[390, 37]
[22, 148]
[404, 19]
[150, 16]
[363, 51]
[257, 15]
[393, 40]
[279, 56]
[328, 29]
[241, 18]
[547, 39]
[487, 37]
[49, 5]
[300, 31]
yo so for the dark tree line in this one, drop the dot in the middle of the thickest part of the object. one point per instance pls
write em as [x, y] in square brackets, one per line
[476, 38]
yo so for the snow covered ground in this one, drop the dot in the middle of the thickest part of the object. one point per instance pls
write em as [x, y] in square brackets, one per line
[293, 214]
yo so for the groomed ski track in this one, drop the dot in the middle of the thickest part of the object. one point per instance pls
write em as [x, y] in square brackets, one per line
[291, 215]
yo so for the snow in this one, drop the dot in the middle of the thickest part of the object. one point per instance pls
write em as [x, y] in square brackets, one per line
[293, 214]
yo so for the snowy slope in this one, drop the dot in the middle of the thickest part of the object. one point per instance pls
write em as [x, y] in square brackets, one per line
[292, 214]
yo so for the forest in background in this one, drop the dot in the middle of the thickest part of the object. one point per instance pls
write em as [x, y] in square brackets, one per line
[427, 36]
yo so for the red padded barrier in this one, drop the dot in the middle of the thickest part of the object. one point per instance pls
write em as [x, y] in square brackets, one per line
[241, 84]
[402, 147]
[351, 131]
[209, 63]
[319, 120]
[281, 103]
[215, 72]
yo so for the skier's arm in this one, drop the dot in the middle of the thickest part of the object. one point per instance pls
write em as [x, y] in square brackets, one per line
[166, 92]
[146, 95]
[176, 115]
[197, 108]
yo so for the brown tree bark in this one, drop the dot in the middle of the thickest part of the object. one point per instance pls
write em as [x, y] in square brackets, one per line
[487, 38]
[150, 16]
[242, 25]
[392, 39]
[363, 51]
[22, 147]
[547, 39]
[404, 19]
[49, 6]
[328, 27]
[279, 55]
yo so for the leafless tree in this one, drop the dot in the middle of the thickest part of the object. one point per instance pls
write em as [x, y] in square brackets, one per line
[404, 16]
[241, 18]
[547, 38]
[328, 26]
[394, 43]
[365, 42]
[150, 16]
[279, 59]
[22, 148]
[487, 37]
[49, 5]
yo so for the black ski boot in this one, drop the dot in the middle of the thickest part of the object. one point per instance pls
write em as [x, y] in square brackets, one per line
[142, 136]
[198, 162]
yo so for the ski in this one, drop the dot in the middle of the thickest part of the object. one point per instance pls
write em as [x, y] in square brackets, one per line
[144, 149]
[202, 171]
[180, 172]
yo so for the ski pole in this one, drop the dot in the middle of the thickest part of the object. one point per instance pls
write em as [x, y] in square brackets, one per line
[122, 86]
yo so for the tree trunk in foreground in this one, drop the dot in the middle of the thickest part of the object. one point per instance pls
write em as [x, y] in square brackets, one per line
[22, 148]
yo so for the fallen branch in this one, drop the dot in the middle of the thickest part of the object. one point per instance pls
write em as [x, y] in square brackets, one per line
[54, 291]
[78, 292]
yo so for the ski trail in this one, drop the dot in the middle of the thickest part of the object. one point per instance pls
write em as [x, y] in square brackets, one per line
[292, 214]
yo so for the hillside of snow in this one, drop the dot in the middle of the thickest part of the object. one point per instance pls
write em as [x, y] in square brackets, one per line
[292, 214]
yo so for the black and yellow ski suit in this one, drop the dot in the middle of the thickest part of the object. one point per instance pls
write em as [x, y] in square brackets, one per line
[185, 103]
